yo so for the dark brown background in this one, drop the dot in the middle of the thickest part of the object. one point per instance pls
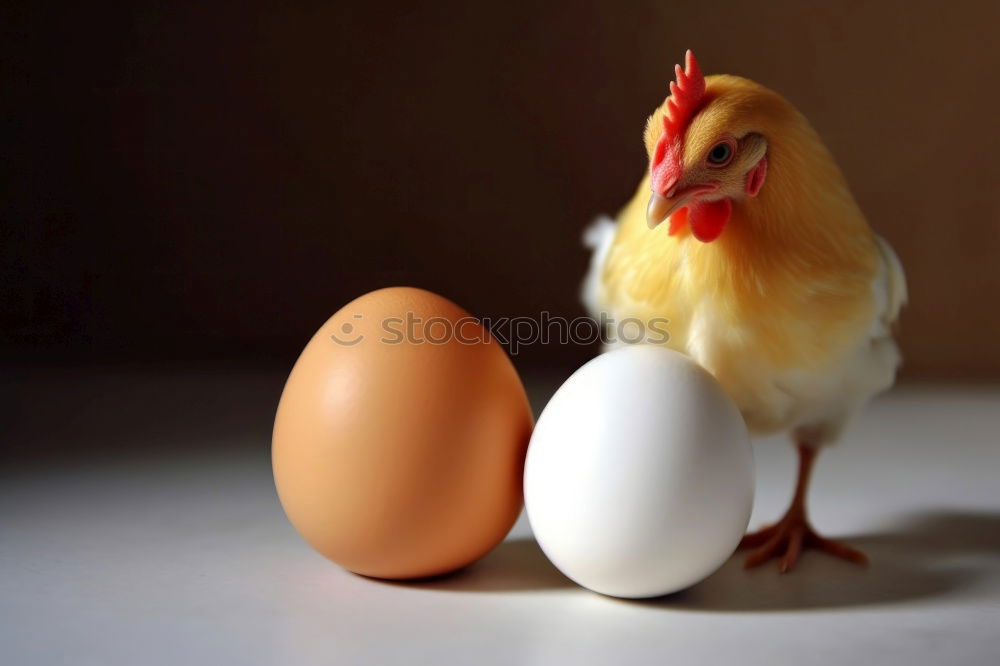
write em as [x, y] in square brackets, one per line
[209, 182]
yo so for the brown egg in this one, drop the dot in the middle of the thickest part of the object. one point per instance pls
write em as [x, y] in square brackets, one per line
[400, 437]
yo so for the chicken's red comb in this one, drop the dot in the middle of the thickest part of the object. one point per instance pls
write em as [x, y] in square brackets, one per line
[686, 95]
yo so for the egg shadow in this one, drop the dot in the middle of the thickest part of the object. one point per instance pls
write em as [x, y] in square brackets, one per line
[514, 565]
[931, 555]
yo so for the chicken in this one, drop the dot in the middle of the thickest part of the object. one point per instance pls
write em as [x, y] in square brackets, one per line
[766, 269]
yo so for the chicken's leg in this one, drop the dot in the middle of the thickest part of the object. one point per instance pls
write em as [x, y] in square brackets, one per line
[786, 538]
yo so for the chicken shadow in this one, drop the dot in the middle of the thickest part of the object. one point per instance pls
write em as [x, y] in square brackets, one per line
[930, 555]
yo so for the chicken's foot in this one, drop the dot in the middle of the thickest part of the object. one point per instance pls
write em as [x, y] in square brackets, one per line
[787, 538]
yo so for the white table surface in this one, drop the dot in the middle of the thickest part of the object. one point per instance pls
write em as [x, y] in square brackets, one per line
[155, 537]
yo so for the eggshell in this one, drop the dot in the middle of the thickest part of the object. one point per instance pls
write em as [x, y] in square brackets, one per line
[400, 454]
[639, 475]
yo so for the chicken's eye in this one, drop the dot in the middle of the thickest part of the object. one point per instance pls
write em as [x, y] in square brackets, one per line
[721, 154]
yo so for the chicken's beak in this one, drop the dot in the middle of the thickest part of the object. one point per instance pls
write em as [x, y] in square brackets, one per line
[662, 206]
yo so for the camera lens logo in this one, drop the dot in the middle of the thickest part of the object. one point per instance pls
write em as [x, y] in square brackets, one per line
[347, 335]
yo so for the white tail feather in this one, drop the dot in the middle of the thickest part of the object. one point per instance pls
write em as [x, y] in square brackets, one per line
[598, 237]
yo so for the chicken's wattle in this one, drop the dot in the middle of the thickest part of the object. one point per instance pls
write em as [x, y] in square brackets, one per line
[707, 219]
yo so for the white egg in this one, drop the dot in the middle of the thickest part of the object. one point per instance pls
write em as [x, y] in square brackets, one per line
[639, 475]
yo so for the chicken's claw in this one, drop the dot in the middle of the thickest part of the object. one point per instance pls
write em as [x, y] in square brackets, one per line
[787, 538]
